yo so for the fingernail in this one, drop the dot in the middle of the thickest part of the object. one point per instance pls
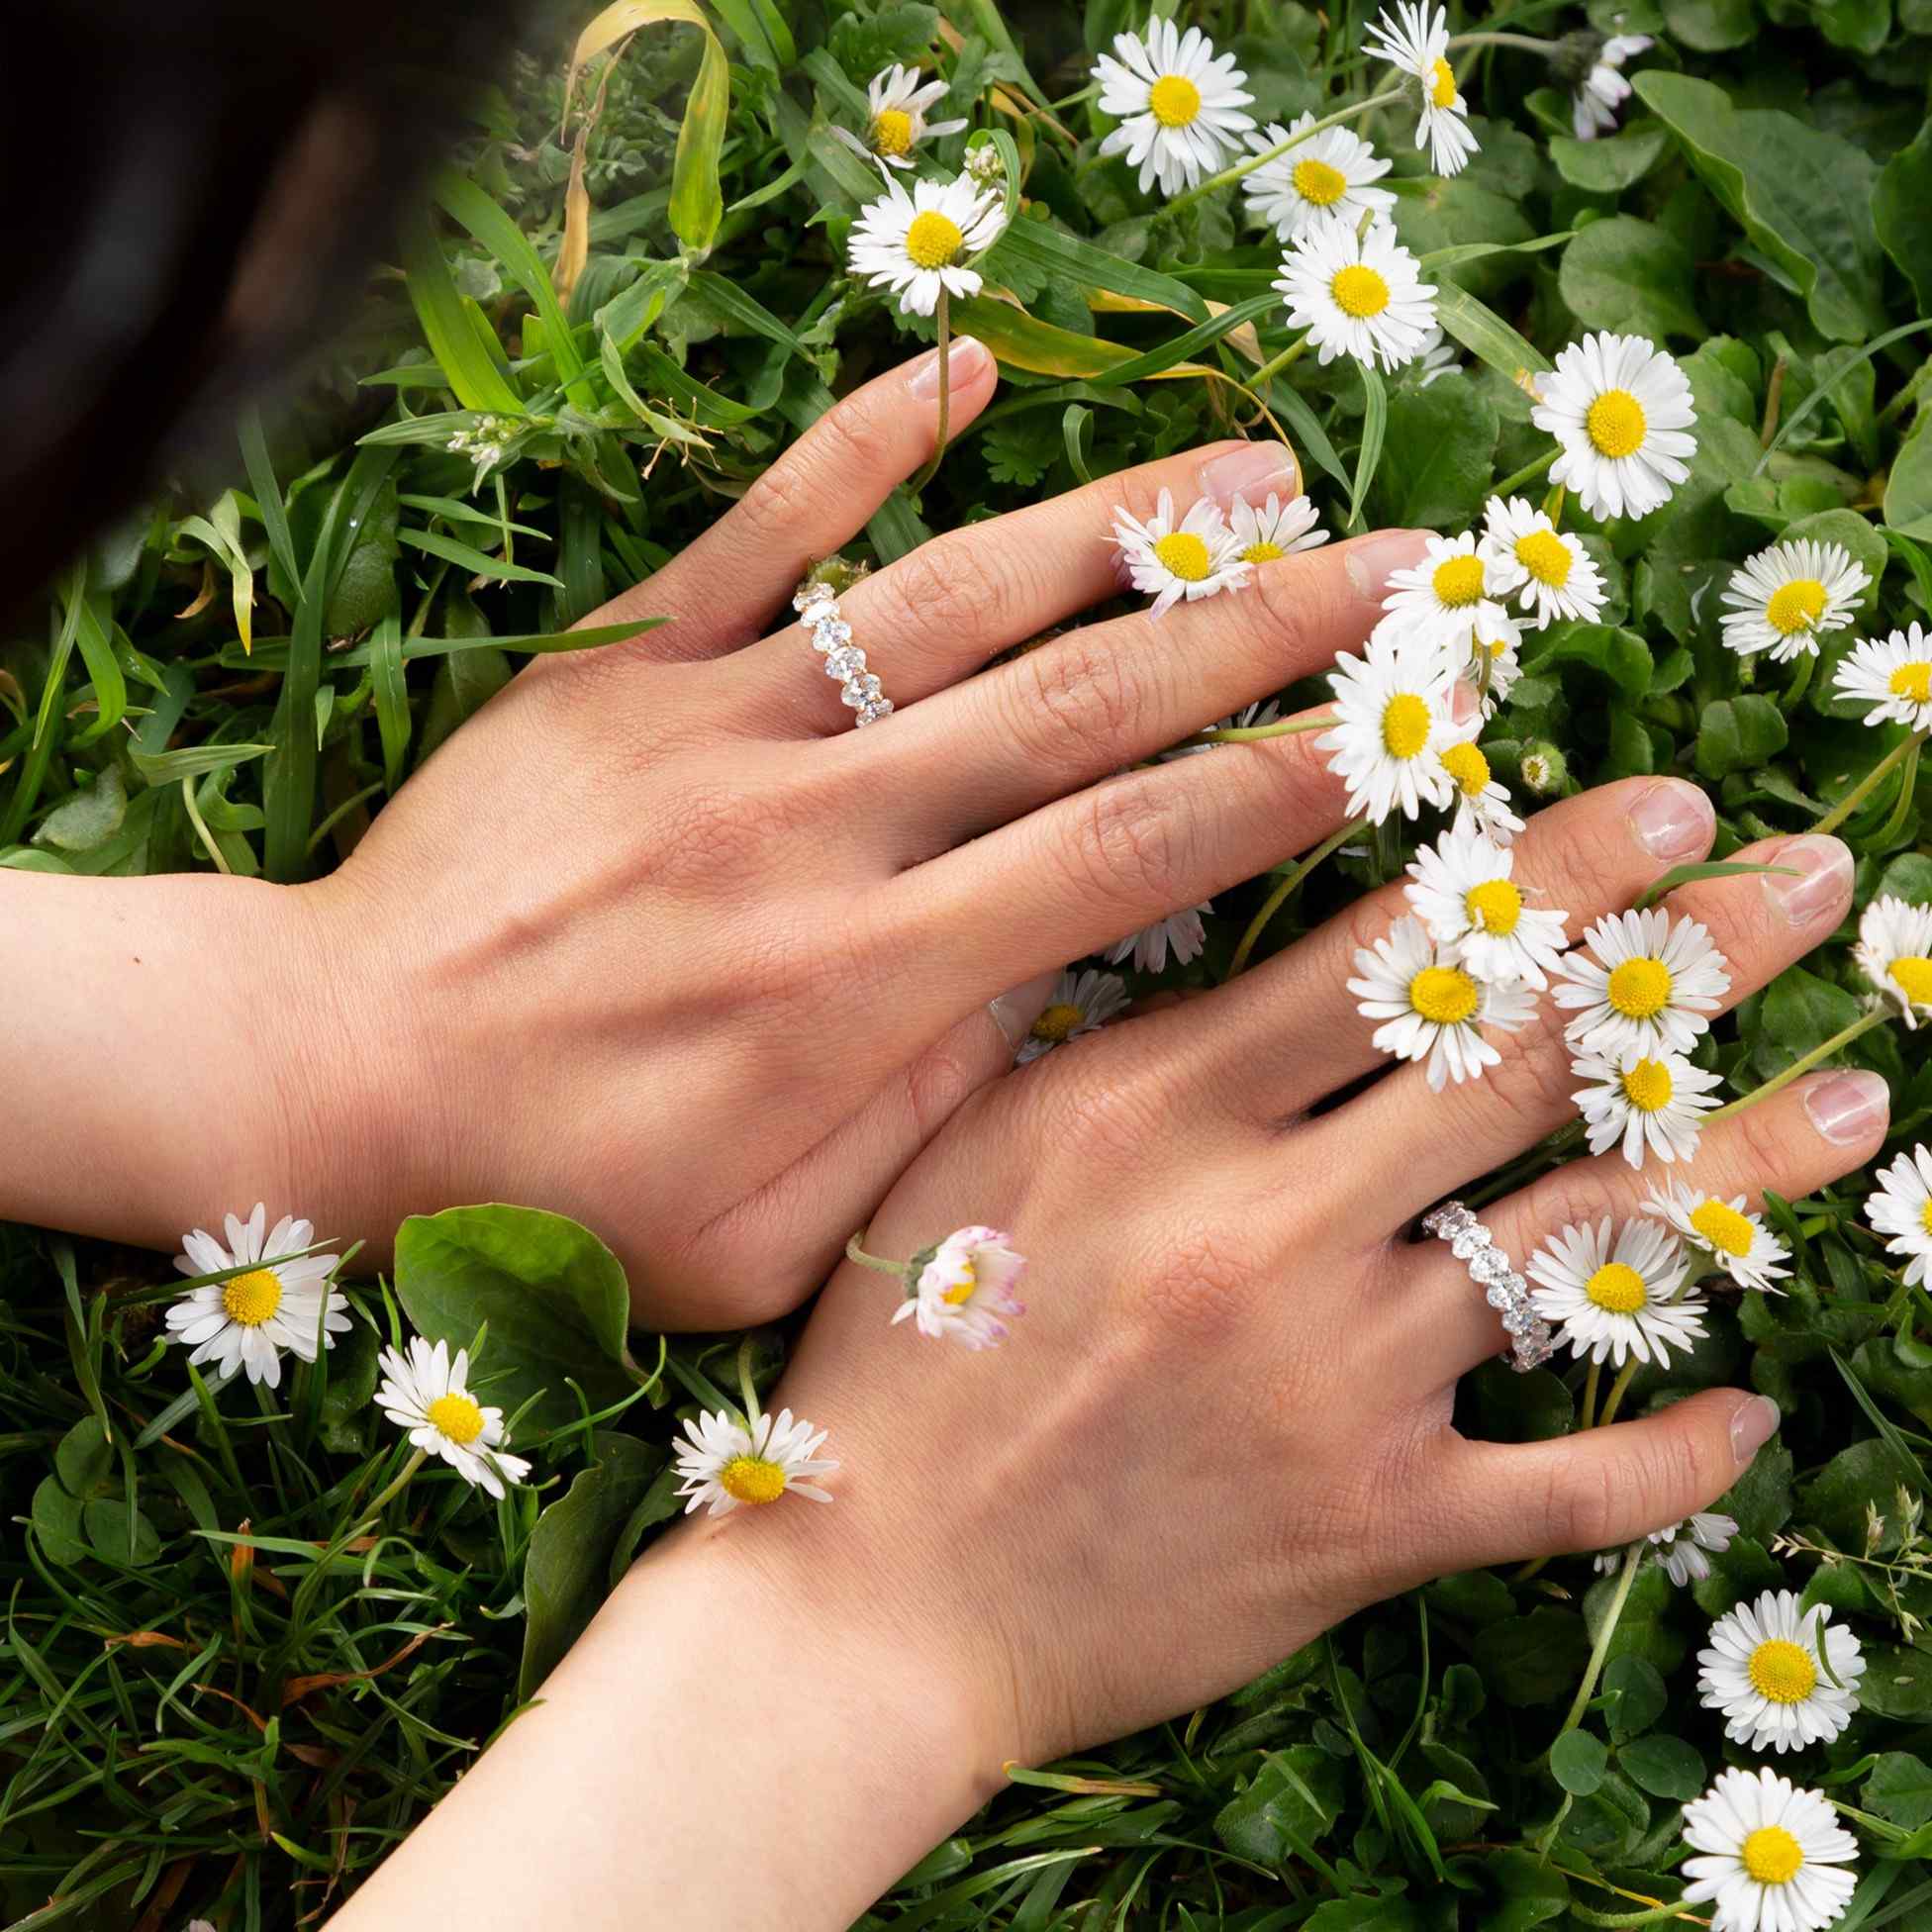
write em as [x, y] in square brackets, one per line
[1674, 821]
[1250, 471]
[1014, 1013]
[1373, 560]
[1824, 883]
[1847, 1107]
[1753, 1425]
[964, 360]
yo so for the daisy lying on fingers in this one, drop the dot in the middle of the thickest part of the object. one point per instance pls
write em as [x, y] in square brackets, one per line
[1447, 594]
[1645, 1102]
[1080, 1003]
[1391, 724]
[1481, 804]
[1680, 1548]
[1494, 665]
[1168, 561]
[1549, 573]
[725, 1464]
[1276, 530]
[1651, 984]
[281, 1300]
[1464, 893]
[1739, 1243]
[964, 1288]
[1180, 932]
[1433, 1006]
[1610, 1302]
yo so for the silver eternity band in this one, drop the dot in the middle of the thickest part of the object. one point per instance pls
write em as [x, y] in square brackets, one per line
[831, 638]
[1504, 1290]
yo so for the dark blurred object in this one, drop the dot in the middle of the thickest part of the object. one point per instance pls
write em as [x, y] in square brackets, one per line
[193, 192]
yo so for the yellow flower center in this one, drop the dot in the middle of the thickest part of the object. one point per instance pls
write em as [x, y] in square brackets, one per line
[1772, 1855]
[1458, 582]
[1468, 767]
[1318, 182]
[933, 239]
[1618, 1288]
[751, 1479]
[1406, 725]
[1796, 606]
[252, 1297]
[1925, 1216]
[457, 1416]
[1057, 1023]
[1185, 555]
[1495, 907]
[1914, 974]
[892, 132]
[1782, 1672]
[1724, 1229]
[1617, 423]
[1445, 994]
[961, 1291]
[1174, 100]
[1647, 1086]
[1640, 988]
[1442, 84]
[1546, 556]
[1359, 291]
[1494, 650]
[1262, 553]
[1912, 681]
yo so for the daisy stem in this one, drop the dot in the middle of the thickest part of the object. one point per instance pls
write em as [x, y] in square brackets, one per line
[1907, 785]
[1651, 1916]
[1250, 733]
[1615, 1400]
[1845, 1036]
[1866, 785]
[1386, 98]
[401, 1483]
[1274, 368]
[931, 468]
[1527, 43]
[1807, 662]
[853, 1252]
[1601, 1650]
[1586, 1416]
[1276, 899]
[746, 1387]
[1527, 474]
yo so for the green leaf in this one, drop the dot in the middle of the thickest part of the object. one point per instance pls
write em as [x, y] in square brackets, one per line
[1578, 1762]
[468, 558]
[1295, 1800]
[1897, 1683]
[1899, 209]
[1631, 278]
[84, 1459]
[1638, 1696]
[118, 1535]
[1735, 733]
[1533, 1659]
[1711, 24]
[1908, 489]
[1899, 1790]
[1621, 655]
[1665, 1766]
[1446, 436]
[1486, 335]
[87, 819]
[1608, 167]
[471, 372]
[58, 1523]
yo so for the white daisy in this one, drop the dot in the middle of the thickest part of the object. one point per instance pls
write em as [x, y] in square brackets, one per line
[427, 1395]
[965, 1288]
[1436, 357]
[1762, 1670]
[896, 121]
[725, 1464]
[1896, 674]
[1612, 1302]
[1392, 722]
[1277, 529]
[281, 1300]
[1169, 561]
[1418, 43]
[1680, 1547]
[1598, 96]
[1653, 983]
[1178, 102]
[1644, 1101]
[1465, 896]
[1622, 411]
[1526, 552]
[1786, 598]
[1078, 1004]
[1773, 1855]
[1359, 295]
[1494, 664]
[1734, 1237]
[1433, 1005]
[1481, 802]
[1322, 178]
[1447, 595]
[917, 244]
[1900, 1208]
[1894, 952]
[1180, 932]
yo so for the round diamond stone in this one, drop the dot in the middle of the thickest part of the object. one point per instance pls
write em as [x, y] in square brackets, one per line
[844, 661]
[828, 633]
[1468, 1242]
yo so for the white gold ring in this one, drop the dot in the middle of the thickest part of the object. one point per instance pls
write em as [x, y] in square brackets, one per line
[831, 638]
[1506, 1291]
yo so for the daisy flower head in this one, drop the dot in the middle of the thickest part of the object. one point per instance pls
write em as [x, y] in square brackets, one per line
[1494, 664]
[1612, 1300]
[1786, 598]
[1900, 1209]
[1644, 1101]
[722, 1463]
[1893, 675]
[1323, 177]
[1681, 1547]
[1179, 104]
[281, 1298]
[1433, 1008]
[918, 243]
[964, 1288]
[426, 1395]
[896, 119]
[1894, 952]
[1180, 932]
[1169, 561]
[1650, 984]
[1735, 1238]
[1622, 411]
[1762, 1670]
[1359, 295]
[1481, 802]
[1549, 573]
[1464, 895]
[1595, 100]
[1447, 595]
[1417, 43]
[1276, 530]
[1392, 721]
[1080, 1003]
[1773, 1855]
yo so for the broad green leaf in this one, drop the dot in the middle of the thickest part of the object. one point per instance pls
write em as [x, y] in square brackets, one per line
[1608, 166]
[1295, 1800]
[1902, 210]
[1908, 489]
[1533, 1659]
[1621, 655]
[1897, 1683]
[86, 818]
[1665, 1766]
[58, 1523]
[1738, 732]
[1899, 1790]
[84, 1459]
[1630, 277]
[1442, 445]
[1637, 1697]
[1710, 25]
[1578, 1762]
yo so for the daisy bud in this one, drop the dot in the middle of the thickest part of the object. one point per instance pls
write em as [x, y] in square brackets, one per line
[1575, 54]
[1545, 770]
[837, 574]
[960, 1288]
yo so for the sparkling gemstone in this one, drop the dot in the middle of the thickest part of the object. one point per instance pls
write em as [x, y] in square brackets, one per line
[871, 713]
[846, 662]
[1517, 1322]
[1489, 1264]
[1470, 1241]
[1514, 1286]
[859, 692]
[810, 594]
[1499, 1297]
[829, 633]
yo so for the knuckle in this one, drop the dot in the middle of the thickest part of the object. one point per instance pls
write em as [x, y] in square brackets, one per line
[1074, 705]
[936, 1084]
[1295, 607]
[1104, 1125]
[1585, 1503]
[1766, 1146]
[708, 834]
[781, 498]
[944, 596]
[1126, 851]
[1196, 1288]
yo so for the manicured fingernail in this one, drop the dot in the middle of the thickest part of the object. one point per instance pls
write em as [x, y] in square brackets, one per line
[1824, 883]
[1251, 471]
[1674, 821]
[1848, 1107]
[1371, 561]
[964, 360]
[1014, 1013]
[1753, 1425]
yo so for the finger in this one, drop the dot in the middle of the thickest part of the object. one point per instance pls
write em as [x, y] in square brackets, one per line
[1761, 924]
[726, 588]
[949, 607]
